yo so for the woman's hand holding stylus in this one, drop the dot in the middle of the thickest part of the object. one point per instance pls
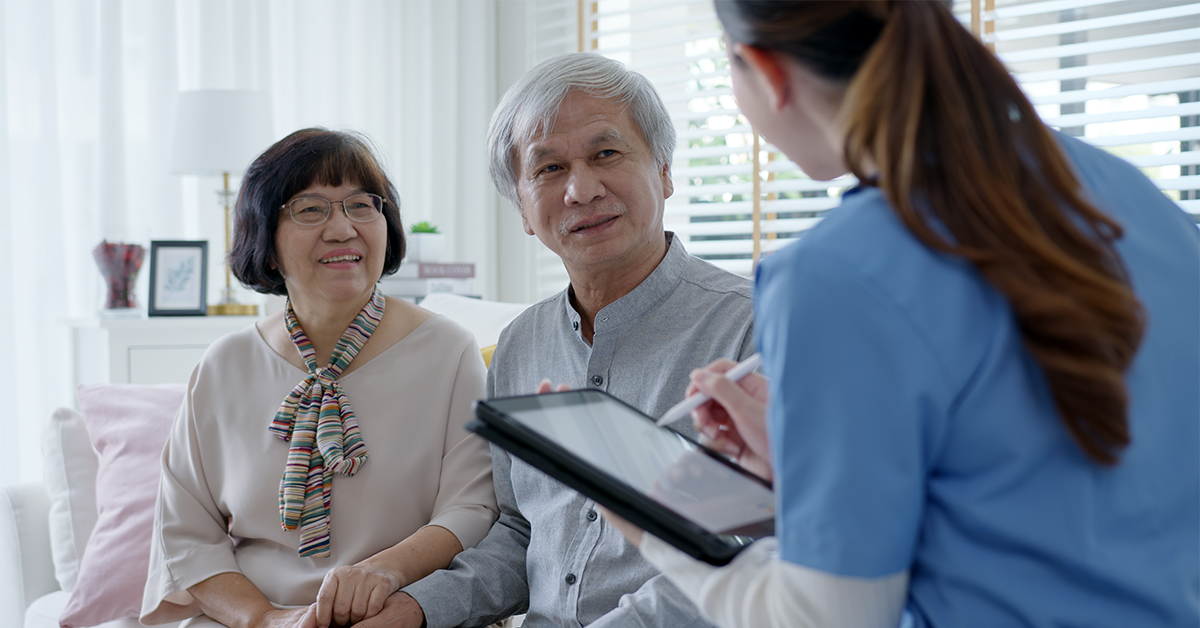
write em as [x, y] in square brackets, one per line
[734, 420]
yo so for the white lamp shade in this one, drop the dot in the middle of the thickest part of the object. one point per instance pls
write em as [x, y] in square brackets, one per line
[219, 131]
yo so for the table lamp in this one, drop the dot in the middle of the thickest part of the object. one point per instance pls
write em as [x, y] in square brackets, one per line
[221, 132]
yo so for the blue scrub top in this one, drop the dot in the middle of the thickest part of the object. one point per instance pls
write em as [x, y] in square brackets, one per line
[912, 430]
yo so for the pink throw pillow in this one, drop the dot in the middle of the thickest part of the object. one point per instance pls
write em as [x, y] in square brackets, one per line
[128, 425]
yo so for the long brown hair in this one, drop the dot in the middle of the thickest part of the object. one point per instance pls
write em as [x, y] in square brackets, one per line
[955, 143]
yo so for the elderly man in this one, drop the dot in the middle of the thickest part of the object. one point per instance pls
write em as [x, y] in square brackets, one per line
[582, 146]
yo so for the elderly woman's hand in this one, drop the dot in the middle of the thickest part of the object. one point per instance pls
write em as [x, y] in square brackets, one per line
[288, 618]
[352, 593]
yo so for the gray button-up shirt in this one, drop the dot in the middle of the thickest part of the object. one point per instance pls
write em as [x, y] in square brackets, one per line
[549, 554]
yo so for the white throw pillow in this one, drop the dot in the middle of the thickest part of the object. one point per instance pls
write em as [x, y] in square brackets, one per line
[70, 477]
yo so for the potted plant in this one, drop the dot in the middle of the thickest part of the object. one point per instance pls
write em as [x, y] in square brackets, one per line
[425, 243]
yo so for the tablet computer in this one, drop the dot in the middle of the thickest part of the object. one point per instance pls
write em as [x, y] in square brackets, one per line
[665, 483]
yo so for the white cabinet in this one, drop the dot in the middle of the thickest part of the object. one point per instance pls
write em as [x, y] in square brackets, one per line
[158, 350]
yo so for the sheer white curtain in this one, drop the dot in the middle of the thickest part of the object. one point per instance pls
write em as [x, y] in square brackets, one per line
[87, 90]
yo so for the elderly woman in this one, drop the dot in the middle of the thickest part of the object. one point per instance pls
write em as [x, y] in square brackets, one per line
[318, 463]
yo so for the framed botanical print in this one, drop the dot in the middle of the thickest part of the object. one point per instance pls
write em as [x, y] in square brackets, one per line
[178, 278]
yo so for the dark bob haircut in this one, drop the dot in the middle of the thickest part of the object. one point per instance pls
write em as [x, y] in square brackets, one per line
[304, 158]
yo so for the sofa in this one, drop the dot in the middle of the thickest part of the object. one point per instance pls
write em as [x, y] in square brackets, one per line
[45, 527]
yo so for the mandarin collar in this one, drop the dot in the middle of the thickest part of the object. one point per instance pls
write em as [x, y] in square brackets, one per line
[647, 294]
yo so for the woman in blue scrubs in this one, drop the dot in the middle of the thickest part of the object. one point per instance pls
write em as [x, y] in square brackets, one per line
[980, 404]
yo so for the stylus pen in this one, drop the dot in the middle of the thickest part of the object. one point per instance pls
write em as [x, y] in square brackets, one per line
[683, 408]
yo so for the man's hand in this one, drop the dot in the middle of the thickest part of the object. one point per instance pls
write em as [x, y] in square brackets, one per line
[352, 593]
[734, 421]
[545, 387]
[400, 610]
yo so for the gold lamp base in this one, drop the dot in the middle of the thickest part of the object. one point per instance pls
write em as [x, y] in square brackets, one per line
[229, 305]
[232, 309]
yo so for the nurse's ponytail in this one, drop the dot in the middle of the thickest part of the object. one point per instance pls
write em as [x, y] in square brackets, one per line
[954, 142]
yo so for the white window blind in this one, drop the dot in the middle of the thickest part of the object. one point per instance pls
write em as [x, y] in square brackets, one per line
[556, 29]
[677, 45]
[1121, 74]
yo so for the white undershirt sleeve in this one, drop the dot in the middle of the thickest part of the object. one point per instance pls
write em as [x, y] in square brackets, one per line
[758, 589]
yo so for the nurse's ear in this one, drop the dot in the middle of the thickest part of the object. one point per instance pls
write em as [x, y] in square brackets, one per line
[768, 69]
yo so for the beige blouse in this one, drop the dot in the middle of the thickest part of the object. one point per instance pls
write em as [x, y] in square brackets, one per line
[218, 501]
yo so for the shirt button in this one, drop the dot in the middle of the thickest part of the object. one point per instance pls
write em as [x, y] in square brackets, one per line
[597, 380]
[591, 515]
[570, 578]
[575, 325]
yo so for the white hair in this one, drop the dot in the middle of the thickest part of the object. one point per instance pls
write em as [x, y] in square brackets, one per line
[532, 103]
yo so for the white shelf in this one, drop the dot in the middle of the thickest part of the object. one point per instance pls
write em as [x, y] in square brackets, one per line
[156, 350]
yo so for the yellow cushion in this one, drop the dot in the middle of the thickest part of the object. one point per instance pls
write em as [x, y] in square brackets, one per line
[487, 354]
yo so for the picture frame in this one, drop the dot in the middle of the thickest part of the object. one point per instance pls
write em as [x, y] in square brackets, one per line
[178, 278]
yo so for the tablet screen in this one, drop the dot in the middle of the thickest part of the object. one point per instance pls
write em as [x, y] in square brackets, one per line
[661, 464]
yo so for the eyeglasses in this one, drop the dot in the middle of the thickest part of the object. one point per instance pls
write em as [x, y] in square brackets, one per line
[314, 210]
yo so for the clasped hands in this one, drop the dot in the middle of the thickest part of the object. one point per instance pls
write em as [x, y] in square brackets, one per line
[353, 595]
[732, 422]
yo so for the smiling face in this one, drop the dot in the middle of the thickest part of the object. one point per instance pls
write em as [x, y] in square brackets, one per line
[336, 261]
[591, 189]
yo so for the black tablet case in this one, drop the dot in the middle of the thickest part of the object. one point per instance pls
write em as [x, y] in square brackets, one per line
[493, 424]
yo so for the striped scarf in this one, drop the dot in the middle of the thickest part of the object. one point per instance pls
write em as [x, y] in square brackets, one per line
[317, 412]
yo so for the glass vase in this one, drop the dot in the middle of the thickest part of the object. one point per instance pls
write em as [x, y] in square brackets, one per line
[119, 264]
